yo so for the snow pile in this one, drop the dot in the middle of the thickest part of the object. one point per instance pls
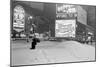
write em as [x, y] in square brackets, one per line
[81, 51]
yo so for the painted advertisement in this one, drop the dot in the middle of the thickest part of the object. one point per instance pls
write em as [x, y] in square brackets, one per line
[18, 18]
[65, 28]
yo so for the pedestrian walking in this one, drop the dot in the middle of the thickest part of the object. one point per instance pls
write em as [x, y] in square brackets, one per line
[34, 43]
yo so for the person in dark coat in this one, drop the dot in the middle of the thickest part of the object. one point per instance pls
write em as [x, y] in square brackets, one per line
[34, 43]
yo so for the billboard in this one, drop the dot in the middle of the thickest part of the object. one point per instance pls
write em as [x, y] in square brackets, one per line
[65, 28]
[18, 18]
[65, 11]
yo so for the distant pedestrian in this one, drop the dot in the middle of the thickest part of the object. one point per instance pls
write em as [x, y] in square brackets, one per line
[88, 39]
[91, 39]
[83, 40]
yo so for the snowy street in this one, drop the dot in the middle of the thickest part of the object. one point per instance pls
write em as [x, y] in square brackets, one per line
[50, 52]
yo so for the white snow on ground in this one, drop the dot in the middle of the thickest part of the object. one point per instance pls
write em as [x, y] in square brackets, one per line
[72, 51]
[51, 52]
[81, 50]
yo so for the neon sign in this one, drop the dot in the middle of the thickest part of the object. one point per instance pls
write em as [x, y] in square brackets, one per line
[18, 18]
[65, 11]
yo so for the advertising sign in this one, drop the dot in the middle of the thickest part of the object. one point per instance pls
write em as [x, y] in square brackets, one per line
[18, 18]
[65, 11]
[65, 28]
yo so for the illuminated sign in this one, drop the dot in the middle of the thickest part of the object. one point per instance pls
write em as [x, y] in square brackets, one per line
[18, 18]
[65, 11]
[65, 28]
[65, 8]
